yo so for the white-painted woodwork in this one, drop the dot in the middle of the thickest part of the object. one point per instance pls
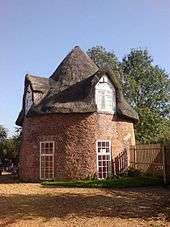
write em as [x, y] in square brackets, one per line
[105, 95]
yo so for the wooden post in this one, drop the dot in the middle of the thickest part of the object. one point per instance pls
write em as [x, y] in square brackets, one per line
[163, 148]
[134, 157]
[114, 167]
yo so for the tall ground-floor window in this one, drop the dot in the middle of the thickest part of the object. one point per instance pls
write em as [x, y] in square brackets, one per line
[47, 160]
[103, 158]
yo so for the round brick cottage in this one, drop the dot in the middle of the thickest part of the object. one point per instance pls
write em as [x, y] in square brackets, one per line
[69, 131]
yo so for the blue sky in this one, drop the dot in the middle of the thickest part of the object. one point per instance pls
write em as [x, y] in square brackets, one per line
[35, 35]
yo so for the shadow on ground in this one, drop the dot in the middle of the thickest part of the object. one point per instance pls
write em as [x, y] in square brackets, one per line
[128, 203]
[7, 178]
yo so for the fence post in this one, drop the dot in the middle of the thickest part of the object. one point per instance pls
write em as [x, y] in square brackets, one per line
[163, 148]
[134, 149]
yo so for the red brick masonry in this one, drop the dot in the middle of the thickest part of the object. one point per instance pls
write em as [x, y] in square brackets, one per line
[75, 138]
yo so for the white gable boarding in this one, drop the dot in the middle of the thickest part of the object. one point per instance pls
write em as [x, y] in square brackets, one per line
[105, 96]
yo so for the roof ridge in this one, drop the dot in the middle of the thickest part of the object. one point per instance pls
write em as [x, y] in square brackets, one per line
[33, 76]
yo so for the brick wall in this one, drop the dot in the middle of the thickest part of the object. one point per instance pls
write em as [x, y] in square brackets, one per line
[75, 138]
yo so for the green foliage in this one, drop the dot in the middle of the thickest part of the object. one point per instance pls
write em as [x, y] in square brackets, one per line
[145, 87]
[3, 137]
[3, 133]
[9, 147]
[122, 182]
[105, 59]
[152, 127]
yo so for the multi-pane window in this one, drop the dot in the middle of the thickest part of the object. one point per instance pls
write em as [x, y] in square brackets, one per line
[47, 160]
[105, 95]
[103, 159]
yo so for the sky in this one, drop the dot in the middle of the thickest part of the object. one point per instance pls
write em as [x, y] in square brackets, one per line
[36, 35]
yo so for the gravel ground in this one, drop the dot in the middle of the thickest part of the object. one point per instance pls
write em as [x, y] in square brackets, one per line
[33, 205]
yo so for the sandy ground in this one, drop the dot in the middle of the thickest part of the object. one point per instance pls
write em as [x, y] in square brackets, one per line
[33, 205]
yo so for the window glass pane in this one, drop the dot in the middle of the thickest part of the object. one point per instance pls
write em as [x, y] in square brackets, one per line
[107, 150]
[100, 175]
[100, 163]
[107, 144]
[108, 157]
[99, 144]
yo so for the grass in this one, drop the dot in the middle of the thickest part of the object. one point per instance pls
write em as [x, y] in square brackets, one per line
[122, 182]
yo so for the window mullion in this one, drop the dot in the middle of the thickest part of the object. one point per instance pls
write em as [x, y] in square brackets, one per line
[103, 158]
[47, 160]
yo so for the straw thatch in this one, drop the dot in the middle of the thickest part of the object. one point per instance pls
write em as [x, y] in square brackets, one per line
[71, 88]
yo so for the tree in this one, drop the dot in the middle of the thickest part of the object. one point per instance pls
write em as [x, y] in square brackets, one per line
[3, 133]
[152, 127]
[9, 147]
[145, 87]
[105, 59]
[12, 146]
[3, 136]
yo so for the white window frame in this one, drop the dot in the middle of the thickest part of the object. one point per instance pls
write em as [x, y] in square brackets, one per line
[52, 154]
[104, 153]
[109, 92]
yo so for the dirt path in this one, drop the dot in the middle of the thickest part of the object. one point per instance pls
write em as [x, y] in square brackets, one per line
[32, 205]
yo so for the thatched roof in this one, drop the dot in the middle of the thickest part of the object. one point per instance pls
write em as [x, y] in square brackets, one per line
[75, 67]
[38, 84]
[71, 89]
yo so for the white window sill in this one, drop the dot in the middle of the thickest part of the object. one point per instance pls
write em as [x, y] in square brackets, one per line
[106, 112]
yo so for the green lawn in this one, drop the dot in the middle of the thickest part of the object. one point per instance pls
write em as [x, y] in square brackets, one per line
[122, 182]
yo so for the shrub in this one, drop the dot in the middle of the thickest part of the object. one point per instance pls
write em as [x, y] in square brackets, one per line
[132, 172]
[121, 182]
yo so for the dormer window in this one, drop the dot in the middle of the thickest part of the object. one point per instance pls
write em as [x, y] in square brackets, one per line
[105, 96]
[28, 99]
